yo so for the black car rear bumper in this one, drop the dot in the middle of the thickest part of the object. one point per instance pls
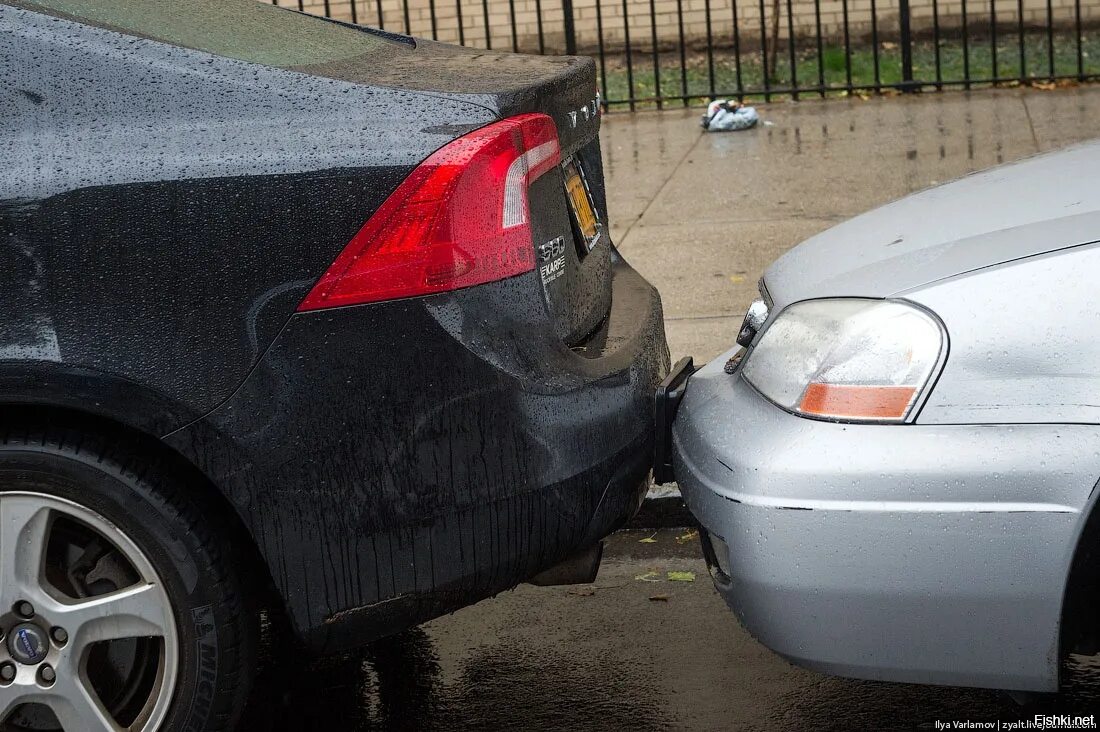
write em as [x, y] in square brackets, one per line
[397, 461]
[666, 400]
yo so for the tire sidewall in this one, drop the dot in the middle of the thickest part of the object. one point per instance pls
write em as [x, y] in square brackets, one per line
[154, 525]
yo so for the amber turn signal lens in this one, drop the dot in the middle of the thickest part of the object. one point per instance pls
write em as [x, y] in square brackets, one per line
[847, 401]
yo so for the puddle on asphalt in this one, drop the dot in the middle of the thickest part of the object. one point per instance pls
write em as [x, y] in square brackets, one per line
[551, 659]
[400, 684]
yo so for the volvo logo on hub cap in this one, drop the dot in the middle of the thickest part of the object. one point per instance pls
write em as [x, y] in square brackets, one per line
[27, 644]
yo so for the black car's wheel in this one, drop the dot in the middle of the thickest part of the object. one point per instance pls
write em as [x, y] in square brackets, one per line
[118, 607]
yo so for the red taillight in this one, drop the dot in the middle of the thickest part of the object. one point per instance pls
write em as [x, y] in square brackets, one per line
[460, 219]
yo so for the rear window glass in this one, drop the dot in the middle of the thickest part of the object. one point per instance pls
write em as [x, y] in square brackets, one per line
[242, 29]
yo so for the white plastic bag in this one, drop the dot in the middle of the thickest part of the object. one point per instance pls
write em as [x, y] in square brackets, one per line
[723, 115]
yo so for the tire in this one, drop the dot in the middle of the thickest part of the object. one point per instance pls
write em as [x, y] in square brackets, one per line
[94, 487]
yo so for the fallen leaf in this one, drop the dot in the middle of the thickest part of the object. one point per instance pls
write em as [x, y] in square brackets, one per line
[649, 577]
[888, 46]
[681, 576]
[659, 598]
[737, 279]
[685, 538]
[648, 540]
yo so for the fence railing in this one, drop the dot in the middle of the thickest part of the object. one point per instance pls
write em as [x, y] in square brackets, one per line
[662, 52]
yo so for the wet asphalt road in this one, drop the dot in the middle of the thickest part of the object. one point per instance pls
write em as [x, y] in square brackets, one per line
[623, 654]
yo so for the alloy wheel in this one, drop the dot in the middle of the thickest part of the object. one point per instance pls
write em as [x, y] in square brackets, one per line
[89, 640]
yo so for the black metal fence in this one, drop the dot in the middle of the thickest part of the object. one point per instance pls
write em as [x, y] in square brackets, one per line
[662, 52]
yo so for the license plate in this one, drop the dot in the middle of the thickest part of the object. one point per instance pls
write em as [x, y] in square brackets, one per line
[580, 200]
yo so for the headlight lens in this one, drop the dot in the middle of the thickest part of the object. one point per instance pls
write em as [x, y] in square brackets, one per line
[864, 360]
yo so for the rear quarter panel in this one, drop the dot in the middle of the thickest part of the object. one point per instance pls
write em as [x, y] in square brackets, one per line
[163, 211]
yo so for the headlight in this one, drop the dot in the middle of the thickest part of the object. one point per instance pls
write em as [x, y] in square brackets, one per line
[863, 360]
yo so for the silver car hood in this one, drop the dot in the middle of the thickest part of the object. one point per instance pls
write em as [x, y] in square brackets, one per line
[1037, 205]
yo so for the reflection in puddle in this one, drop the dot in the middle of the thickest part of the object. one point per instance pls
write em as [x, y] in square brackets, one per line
[399, 684]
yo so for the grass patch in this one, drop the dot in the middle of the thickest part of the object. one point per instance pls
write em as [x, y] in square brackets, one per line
[696, 80]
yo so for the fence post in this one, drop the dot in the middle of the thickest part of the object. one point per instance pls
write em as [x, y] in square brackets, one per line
[570, 28]
[906, 40]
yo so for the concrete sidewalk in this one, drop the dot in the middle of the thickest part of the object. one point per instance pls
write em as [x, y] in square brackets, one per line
[701, 215]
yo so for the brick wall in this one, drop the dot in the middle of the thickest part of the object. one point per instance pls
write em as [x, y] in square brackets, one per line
[669, 14]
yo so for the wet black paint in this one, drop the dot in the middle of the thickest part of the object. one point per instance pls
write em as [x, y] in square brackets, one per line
[162, 213]
[395, 461]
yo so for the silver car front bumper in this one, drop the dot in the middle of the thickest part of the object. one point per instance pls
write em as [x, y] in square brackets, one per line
[932, 554]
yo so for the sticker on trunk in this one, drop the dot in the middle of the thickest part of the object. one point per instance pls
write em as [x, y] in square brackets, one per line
[552, 259]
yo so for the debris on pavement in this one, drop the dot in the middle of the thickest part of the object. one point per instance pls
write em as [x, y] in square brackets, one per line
[689, 536]
[671, 575]
[668, 490]
[648, 539]
[658, 598]
[723, 115]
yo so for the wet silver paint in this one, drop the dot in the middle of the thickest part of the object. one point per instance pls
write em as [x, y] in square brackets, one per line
[963, 524]
[1024, 345]
[1037, 205]
[924, 553]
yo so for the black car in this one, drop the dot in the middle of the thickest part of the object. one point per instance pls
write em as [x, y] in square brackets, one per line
[295, 316]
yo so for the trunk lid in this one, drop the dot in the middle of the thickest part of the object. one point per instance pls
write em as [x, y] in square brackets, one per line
[563, 87]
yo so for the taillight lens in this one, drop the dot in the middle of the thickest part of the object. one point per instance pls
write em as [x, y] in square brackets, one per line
[461, 218]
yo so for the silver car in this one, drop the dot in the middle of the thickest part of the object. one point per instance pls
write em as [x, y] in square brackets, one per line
[895, 475]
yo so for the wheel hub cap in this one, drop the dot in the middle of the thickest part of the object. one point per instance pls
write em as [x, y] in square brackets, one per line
[27, 644]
